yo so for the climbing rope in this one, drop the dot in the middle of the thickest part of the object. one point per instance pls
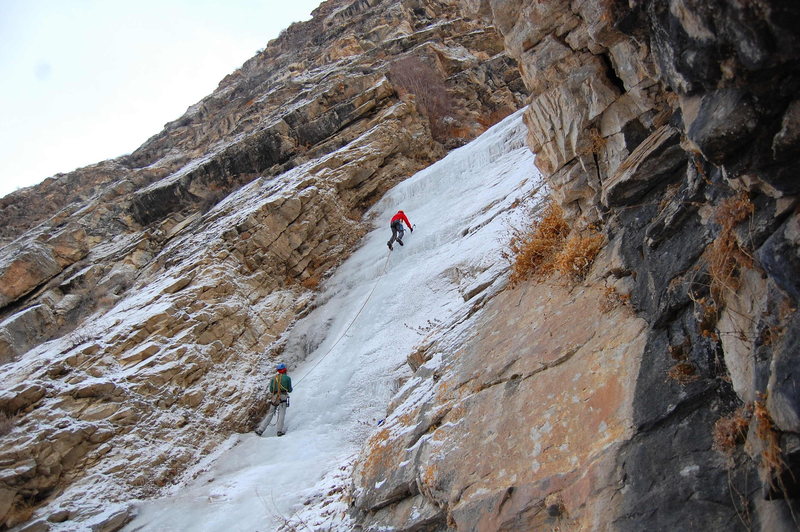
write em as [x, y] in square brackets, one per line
[388, 254]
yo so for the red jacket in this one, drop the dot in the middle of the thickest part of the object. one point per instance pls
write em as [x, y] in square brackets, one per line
[400, 216]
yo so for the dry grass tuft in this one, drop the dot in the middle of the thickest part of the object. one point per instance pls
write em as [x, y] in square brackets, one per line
[731, 430]
[774, 470]
[550, 247]
[732, 211]
[534, 252]
[578, 254]
[683, 372]
[598, 141]
[613, 299]
[765, 430]
[726, 258]
[312, 281]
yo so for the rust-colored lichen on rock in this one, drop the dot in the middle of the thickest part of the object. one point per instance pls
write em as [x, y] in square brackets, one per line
[377, 444]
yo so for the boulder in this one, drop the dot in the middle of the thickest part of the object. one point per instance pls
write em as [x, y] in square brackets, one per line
[70, 244]
[24, 330]
[653, 161]
[723, 121]
[23, 270]
[786, 142]
[21, 397]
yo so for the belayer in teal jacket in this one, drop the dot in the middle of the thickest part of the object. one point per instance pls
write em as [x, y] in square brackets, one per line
[281, 383]
[280, 386]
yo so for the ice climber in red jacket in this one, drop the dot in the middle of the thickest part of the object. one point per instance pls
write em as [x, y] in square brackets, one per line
[397, 228]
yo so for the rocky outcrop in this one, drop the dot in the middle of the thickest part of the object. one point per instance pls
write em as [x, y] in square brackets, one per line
[142, 298]
[672, 125]
[522, 420]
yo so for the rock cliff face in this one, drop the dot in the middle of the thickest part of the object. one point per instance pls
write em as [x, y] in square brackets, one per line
[142, 298]
[673, 125]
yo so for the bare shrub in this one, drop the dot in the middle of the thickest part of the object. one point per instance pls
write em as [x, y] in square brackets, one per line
[578, 254]
[6, 423]
[494, 117]
[534, 251]
[549, 247]
[411, 75]
[726, 258]
[613, 299]
[731, 430]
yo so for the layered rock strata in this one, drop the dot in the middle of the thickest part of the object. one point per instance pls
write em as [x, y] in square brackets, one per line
[142, 299]
[673, 125]
[510, 419]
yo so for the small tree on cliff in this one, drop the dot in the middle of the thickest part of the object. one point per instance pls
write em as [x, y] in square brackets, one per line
[411, 75]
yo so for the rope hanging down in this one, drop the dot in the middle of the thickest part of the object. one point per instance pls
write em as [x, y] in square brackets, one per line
[388, 254]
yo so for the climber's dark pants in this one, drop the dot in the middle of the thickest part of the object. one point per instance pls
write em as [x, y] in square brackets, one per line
[397, 231]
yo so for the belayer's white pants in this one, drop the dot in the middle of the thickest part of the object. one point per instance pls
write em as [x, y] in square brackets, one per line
[281, 408]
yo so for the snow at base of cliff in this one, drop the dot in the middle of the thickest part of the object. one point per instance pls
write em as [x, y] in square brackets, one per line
[347, 358]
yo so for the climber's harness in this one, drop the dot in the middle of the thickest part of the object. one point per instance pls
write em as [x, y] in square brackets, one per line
[277, 399]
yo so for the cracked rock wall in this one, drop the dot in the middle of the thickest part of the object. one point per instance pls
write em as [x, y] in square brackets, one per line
[513, 418]
[671, 124]
[143, 299]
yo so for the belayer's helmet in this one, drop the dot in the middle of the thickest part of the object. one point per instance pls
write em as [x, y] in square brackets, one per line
[280, 366]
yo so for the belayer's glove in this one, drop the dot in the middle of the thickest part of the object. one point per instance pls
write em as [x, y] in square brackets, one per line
[412, 229]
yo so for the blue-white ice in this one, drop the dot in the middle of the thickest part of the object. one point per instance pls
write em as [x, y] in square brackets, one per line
[373, 311]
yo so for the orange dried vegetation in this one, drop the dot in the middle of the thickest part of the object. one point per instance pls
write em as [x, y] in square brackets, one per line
[311, 282]
[726, 258]
[766, 432]
[534, 252]
[549, 247]
[578, 254]
[683, 372]
[731, 430]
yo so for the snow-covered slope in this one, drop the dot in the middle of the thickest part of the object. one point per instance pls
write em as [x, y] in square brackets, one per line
[348, 356]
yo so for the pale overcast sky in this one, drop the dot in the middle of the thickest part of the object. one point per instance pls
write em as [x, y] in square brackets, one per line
[82, 81]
